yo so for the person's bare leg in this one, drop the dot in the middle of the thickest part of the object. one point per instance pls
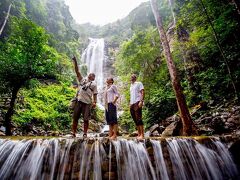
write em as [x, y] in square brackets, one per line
[86, 114]
[75, 117]
[141, 134]
[139, 131]
[115, 130]
[110, 131]
[74, 128]
[85, 128]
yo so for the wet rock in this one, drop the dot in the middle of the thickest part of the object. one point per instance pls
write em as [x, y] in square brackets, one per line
[150, 151]
[105, 165]
[110, 175]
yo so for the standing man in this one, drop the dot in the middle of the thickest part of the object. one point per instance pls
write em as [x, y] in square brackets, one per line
[86, 98]
[136, 103]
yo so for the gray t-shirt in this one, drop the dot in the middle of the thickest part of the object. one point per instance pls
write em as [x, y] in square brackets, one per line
[86, 91]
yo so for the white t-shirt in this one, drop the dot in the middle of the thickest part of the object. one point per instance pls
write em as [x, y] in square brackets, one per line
[135, 94]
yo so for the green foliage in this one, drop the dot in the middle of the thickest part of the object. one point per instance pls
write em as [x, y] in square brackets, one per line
[209, 23]
[53, 16]
[64, 69]
[161, 105]
[45, 106]
[97, 114]
[125, 120]
[26, 55]
[139, 54]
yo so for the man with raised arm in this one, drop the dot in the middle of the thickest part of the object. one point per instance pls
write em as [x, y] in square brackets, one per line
[86, 98]
[136, 103]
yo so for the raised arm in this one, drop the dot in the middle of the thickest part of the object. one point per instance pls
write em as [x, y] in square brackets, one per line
[79, 76]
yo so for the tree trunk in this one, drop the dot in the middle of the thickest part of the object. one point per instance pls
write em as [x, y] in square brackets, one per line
[188, 126]
[10, 111]
[6, 18]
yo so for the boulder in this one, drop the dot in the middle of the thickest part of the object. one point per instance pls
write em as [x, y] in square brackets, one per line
[174, 129]
[156, 130]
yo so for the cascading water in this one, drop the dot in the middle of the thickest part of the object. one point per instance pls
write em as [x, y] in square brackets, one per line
[93, 57]
[171, 158]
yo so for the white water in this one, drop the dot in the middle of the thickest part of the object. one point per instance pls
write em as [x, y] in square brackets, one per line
[173, 158]
[192, 160]
[161, 169]
[133, 161]
[93, 57]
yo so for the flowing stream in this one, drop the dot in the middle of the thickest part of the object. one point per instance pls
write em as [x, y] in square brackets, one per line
[165, 159]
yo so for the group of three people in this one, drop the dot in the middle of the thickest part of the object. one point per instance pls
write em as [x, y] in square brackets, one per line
[87, 99]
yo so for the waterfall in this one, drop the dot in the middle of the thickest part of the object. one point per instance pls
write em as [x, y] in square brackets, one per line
[133, 161]
[93, 57]
[97, 159]
[161, 169]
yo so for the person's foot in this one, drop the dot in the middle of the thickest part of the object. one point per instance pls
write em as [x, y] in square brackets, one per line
[73, 134]
[113, 137]
[140, 137]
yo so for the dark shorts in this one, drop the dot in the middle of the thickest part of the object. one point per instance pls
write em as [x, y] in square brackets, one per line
[81, 108]
[136, 113]
[111, 114]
